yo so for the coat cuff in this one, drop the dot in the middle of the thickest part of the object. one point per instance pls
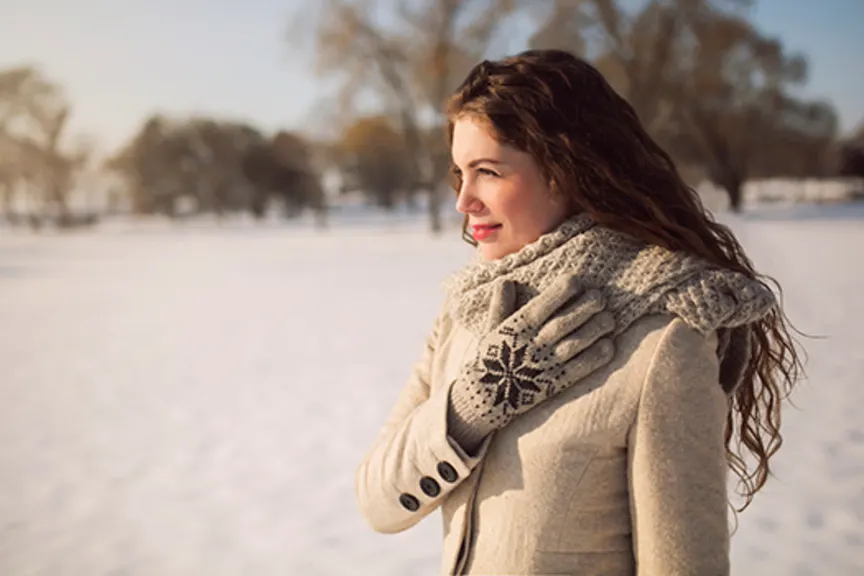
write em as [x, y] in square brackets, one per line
[437, 464]
[442, 446]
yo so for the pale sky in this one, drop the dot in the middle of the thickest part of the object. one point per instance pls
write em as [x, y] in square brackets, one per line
[121, 60]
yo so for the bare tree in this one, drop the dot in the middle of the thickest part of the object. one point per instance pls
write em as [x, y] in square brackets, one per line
[373, 159]
[298, 177]
[734, 113]
[635, 48]
[34, 118]
[409, 67]
[222, 166]
[709, 86]
[11, 173]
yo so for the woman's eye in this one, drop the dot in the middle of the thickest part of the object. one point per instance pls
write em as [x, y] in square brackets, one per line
[486, 172]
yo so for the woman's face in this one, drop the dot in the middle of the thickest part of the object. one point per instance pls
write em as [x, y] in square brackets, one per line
[503, 192]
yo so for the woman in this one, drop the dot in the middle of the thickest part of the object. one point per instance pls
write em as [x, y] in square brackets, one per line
[582, 387]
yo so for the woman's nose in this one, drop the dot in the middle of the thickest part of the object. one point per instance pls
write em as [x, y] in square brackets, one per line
[467, 202]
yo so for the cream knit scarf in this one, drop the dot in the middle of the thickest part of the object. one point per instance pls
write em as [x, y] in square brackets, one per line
[637, 278]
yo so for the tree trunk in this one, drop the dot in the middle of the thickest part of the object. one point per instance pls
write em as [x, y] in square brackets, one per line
[7, 202]
[735, 190]
[415, 147]
[434, 209]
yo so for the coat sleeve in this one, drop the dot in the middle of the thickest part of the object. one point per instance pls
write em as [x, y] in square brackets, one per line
[678, 465]
[413, 463]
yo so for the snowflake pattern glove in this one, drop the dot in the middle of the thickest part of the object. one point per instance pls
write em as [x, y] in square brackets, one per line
[528, 356]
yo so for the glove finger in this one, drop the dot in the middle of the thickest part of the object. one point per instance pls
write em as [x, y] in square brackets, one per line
[571, 317]
[502, 304]
[584, 336]
[538, 310]
[596, 356]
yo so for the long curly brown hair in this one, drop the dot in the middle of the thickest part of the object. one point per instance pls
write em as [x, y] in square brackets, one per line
[596, 154]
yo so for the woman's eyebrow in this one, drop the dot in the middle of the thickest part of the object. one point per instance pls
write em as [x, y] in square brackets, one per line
[477, 161]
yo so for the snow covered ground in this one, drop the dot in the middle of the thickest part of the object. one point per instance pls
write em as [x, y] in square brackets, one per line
[193, 400]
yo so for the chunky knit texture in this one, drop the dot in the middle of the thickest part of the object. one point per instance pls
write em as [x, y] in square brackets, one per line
[636, 278]
[529, 356]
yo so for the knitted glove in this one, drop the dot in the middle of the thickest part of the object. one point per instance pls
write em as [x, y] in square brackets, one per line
[528, 356]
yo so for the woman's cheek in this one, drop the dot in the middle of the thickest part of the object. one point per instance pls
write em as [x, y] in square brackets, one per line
[509, 200]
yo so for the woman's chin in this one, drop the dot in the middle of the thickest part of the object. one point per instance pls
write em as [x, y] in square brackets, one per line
[494, 251]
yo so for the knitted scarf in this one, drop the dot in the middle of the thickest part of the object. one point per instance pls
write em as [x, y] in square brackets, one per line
[637, 279]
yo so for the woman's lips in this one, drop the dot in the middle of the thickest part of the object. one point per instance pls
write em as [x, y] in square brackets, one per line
[482, 232]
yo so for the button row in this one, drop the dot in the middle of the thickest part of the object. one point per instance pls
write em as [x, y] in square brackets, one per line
[409, 502]
[447, 472]
[429, 486]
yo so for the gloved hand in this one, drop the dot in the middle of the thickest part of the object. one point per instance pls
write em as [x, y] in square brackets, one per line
[528, 356]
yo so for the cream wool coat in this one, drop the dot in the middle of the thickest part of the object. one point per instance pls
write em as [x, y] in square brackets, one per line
[624, 473]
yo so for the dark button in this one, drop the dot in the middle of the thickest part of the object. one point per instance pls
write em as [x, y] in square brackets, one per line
[430, 487]
[447, 472]
[409, 502]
